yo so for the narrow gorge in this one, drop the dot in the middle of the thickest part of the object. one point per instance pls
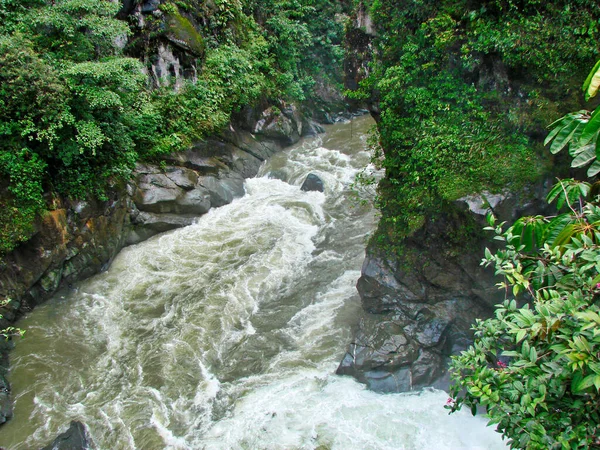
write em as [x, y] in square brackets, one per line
[259, 224]
[227, 333]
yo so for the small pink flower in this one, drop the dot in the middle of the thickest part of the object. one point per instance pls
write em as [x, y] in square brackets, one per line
[501, 365]
[597, 285]
[449, 401]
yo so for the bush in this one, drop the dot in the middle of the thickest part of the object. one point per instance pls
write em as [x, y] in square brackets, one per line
[536, 368]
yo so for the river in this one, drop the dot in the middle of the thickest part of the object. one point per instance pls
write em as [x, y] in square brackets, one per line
[226, 334]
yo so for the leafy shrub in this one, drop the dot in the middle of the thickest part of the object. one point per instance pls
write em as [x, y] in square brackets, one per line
[536, 368]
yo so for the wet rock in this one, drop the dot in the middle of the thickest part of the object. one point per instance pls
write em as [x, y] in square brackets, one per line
[313, 183]
[385, 381]
[427, 369]
[75, 438]
[280, 124]
[196, 201]
[150, 224]
[182, 177]
[423, 302]
[312, 128]
[6, 409]
[223, 191]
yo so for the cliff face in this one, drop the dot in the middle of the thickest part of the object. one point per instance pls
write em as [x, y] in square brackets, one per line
[423, 301]
[422, 284]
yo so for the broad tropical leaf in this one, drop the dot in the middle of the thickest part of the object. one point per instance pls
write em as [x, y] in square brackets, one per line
[557, 226]
[594, 169]
[592, 82]
[589, 133]
[584, 155]
[571, 127]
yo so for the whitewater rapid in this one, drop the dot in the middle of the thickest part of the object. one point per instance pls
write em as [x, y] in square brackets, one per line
[226, 334]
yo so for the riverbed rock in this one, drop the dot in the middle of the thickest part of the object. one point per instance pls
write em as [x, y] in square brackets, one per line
[313, 183]
[421, 303]
[6, 410]
[75, 438]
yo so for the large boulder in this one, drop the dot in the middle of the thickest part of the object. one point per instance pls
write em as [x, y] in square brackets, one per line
[75, 438]
[313, 183]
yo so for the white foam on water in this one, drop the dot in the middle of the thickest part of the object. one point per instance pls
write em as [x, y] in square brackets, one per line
[225, 334]
[312, 409]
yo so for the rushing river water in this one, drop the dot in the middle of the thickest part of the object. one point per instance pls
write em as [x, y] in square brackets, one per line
[226, 334]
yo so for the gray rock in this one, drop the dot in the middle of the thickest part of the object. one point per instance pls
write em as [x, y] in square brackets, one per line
[313, 183]
[150, 5]
[183, 177]
[75, 438]
[196, 201]
[427, 369]
[156, 199]
[282, 125]
[312, 128]
[385, 382]
[6, 408]
[425, 300]
[223, 191]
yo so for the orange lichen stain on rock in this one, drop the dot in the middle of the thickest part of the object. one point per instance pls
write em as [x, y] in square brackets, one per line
[57, 220]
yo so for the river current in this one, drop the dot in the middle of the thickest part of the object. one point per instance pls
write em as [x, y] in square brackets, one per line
[226, 334]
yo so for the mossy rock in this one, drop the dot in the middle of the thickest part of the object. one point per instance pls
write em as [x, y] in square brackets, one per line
[180, 31]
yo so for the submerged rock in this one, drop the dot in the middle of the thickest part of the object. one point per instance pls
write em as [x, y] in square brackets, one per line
[75, 438]
[313, 183]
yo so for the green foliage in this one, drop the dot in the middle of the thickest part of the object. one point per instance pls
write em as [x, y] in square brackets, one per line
[76, 113]
[536, 368]
[580, 131]
[306, 41]
[464, 92]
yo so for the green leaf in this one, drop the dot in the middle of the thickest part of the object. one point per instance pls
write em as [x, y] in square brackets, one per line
[592, 82]
[564, 136]
[533, 355]
[589, 131]
[593, 169]
[555, 130]
[585, 156]
[579, 383]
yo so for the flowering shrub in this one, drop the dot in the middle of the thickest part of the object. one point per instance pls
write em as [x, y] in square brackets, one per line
[536, 367]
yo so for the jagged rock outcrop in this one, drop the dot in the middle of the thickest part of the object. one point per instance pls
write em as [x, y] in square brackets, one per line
[421, 304]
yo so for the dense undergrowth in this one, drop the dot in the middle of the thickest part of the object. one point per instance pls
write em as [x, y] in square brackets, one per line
[464, 91]
[77, 109]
